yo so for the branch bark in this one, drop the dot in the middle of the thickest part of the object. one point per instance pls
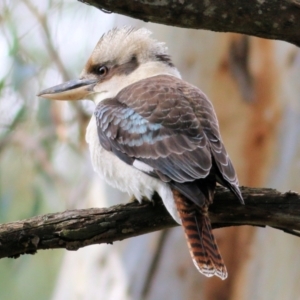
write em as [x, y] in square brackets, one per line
[272, 19]
[74, 229]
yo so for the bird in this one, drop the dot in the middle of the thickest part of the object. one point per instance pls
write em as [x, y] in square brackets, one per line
[152, 132]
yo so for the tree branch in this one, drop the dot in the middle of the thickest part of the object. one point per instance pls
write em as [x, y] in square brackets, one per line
[272, 19]
[74, 229]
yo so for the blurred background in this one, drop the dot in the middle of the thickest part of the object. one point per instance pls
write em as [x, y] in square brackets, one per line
[45, 165]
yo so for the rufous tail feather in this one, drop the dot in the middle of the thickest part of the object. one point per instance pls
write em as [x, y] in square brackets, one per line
[201, 241]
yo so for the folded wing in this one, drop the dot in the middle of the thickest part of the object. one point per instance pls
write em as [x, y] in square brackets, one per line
[168, 129]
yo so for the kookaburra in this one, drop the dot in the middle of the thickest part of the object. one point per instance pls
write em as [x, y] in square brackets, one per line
[153, 132]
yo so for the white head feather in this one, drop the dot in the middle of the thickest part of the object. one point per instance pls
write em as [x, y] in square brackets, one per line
[121, 43]
[130, 55]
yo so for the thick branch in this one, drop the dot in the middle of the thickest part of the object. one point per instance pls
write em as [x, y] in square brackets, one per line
[78, 228]
[272, 19]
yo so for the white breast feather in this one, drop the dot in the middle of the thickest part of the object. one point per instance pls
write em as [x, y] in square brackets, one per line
[124, 177]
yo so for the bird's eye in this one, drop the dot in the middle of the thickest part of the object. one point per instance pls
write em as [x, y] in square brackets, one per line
[102, 70]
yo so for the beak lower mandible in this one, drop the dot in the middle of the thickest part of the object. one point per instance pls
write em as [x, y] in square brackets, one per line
[71, 90]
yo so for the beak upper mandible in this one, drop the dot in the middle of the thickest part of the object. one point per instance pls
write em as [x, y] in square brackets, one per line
[71, 90]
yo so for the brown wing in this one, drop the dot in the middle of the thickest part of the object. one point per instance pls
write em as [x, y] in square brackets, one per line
[170, 129]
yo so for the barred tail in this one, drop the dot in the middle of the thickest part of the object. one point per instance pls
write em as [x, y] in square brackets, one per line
[201, 242]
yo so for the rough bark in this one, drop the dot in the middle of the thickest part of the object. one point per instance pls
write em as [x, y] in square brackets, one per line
[272, 19]
[78, 228]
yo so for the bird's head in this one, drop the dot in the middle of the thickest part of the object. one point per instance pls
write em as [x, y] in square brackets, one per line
[121, 57]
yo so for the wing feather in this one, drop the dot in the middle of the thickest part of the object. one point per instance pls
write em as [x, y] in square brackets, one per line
[170, 126]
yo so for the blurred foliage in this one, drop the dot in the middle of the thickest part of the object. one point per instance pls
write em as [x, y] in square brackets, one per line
[43, 155]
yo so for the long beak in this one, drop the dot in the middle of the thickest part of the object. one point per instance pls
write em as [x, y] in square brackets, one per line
[71, 90]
